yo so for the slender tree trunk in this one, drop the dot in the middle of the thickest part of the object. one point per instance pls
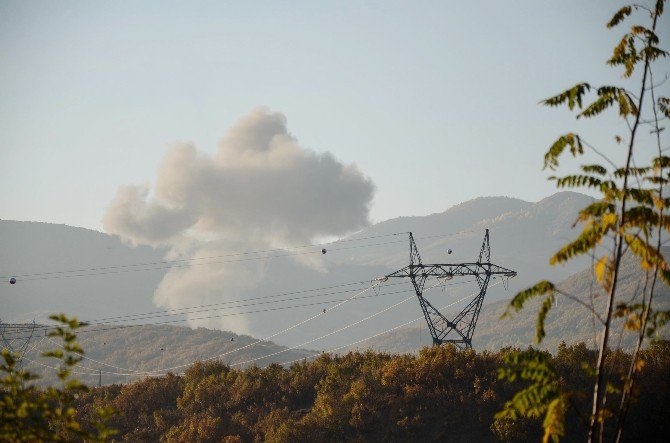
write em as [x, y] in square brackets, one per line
[633, 369]
[595, 434]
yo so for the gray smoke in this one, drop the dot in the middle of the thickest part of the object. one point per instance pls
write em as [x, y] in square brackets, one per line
[261, 189]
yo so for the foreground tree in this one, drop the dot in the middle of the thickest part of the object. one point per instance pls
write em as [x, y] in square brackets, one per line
[630, 217]
[29, 413]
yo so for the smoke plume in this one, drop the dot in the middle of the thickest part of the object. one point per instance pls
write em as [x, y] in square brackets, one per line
[261, 189]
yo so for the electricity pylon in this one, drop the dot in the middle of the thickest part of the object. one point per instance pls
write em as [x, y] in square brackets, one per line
[458, 331]
[16, 337]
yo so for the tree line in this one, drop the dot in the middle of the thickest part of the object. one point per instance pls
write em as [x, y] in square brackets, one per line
[441, 394]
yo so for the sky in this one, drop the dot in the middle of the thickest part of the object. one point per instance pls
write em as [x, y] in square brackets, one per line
[435, 102]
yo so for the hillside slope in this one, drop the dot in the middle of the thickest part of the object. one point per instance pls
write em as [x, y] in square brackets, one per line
[119, 352]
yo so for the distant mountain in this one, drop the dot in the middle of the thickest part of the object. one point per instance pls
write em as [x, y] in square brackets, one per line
[523, 237]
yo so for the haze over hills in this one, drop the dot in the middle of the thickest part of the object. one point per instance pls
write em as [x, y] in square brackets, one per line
[523, 236]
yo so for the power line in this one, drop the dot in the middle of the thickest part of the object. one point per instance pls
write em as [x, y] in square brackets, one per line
[303, 297]
[257, 341]
[163, 371]
[330, 333]
[102, 328]
[345, 327]
[227, 302]
[220, 308]
[181, 263]
[283, 331]
[150, 313]
[94, 360]
[386, 331]
[160, 372]
[280, 308]
[192, 259]
[142, 316]
[189, 264]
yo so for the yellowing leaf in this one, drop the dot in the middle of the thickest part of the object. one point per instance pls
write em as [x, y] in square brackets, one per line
[609, 219]
[633, 323]
[600, 268]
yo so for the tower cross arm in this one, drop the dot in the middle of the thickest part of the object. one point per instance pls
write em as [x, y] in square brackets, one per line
[446, 270]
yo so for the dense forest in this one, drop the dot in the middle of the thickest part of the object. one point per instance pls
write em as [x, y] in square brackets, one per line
[441, 394]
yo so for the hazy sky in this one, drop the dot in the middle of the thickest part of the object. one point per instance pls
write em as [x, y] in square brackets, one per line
[435, 102]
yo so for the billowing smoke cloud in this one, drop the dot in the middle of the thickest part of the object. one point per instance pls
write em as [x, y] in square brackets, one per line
[261, 189]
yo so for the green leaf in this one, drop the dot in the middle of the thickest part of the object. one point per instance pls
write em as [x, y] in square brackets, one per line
[517, 303]
[652, 53]
[648, 254]
[664, 106]
[596, 210]
[536, 398]
[642, 196]
[594, 169]
[620, 15]
[587, 240]
[568, 140]
[635, 172]
[546, 306]
[575, 181]
[607, 96]
[554, 420]
[625, 54]
[657, 320]
[572, 96]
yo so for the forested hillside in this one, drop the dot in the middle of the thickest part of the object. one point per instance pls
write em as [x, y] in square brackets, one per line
[441, 394]
[118, 355]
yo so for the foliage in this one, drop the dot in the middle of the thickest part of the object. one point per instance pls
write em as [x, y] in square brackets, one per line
[28, 413]
[542, 397]
[631, 215]
[441, 394]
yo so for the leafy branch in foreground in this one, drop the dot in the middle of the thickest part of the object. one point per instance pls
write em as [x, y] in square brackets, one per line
[29, 413]
[629, 218]
[542, 396]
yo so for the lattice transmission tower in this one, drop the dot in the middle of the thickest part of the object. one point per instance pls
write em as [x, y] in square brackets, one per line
[461, 328]
[17, 336]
